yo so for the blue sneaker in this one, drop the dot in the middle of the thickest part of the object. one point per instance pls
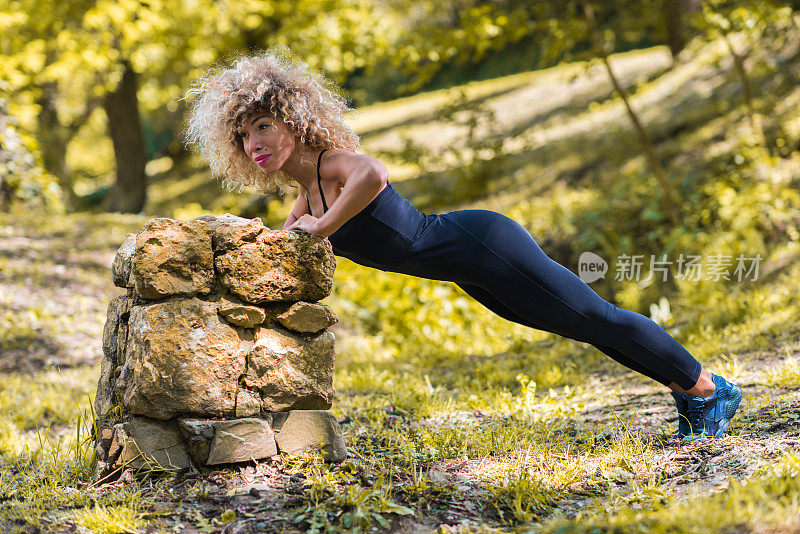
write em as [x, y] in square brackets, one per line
[682, 404]
[713, 415]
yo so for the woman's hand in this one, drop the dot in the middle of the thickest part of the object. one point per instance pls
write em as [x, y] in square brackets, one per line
[307, 223]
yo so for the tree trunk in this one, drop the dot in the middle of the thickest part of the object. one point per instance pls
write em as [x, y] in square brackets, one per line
[673, 20]
[124, 127]
[675, 12]
[669, 203]
[53, 139]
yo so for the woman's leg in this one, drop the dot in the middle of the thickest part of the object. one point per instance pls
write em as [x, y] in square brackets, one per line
[488, 300]
[509, 265]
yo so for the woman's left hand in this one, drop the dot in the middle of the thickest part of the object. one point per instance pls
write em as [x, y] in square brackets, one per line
[307, 223]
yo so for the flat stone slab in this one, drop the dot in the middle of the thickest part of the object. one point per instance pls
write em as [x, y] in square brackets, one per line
[214, 442]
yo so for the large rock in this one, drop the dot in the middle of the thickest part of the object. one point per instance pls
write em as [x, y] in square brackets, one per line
[310, 431]
[143, 442]
[173, 258]
[121, 268]
[291, 371]
[181, 359]
[280, 265]
[212, 442]
[307, 317]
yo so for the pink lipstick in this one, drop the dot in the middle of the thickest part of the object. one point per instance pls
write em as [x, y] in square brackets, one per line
[261, 159]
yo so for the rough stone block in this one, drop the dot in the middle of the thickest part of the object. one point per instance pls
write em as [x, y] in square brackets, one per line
[121, 268]
[281, 265]
[229, 232]
[115, 329]
[114, 336]
[173, 258]
[181, 359]
[291, 371]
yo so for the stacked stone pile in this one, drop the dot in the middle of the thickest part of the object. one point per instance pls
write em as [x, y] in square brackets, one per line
[219, 351]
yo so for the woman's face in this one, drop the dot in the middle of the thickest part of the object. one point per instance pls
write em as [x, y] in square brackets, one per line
[266, 140]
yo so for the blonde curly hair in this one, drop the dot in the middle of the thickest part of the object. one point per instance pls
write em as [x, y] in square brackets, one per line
[271, 81]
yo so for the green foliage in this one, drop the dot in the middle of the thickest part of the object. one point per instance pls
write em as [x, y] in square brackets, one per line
[770, 497]
[113, 519]
[28, 404]
[337, 502]
[24, 184]
[787, 374]
[523, 498]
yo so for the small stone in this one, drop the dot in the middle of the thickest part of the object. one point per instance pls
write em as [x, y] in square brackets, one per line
[198, 435]
[314, 432]
[239, 314]
[307, 317]
[276, 419]
[229, 232]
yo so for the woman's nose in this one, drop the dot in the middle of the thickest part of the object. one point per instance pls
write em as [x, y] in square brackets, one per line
[253, 143]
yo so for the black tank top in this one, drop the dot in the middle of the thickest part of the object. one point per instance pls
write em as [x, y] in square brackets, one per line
[319, 184]
[381, 234]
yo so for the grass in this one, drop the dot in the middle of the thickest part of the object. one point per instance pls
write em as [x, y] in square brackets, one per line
[457, 420]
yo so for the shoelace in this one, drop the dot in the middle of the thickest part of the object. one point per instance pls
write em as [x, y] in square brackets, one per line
[696, 413]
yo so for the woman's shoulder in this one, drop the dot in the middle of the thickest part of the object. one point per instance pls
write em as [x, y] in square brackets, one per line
[341, 163]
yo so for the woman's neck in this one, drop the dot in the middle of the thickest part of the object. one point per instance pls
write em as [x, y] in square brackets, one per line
[301, 165]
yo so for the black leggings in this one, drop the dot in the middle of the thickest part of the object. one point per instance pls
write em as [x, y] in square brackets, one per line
[496, 261]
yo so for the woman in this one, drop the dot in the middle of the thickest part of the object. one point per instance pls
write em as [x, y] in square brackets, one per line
[267, 120]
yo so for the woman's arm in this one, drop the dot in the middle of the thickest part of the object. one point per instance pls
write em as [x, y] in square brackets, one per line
[363, 177]
[300, 207]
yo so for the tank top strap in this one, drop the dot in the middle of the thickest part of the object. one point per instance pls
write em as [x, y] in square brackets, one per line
[319, 183]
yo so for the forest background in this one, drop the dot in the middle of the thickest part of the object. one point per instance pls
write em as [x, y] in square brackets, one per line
[658, 129]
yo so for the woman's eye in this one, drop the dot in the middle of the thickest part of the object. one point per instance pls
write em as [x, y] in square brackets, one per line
[262, 126]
